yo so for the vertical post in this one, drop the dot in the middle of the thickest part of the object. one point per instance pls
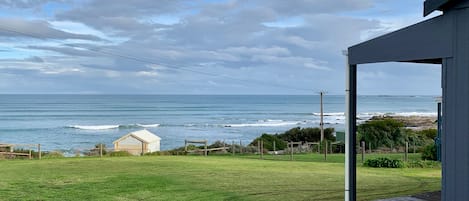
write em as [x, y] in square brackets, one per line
[224, 147]
[262, 149]
[185, 145]
[142, 148]
[205, 148]
[406, 151]
[369, 147]
[273, 153]
[325, 150]
[291, 151]
[233, 148]
[363, 151]
[439, 130]
[101, 150]
[39, 151]
[30, 154]
[350, 139]
[240, 147]
[259, 147]
[322, 123]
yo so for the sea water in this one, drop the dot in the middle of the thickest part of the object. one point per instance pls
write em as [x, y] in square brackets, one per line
[78, 122]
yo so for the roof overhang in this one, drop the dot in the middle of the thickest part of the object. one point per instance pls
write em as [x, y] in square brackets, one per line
[425, 42]
[431, 5]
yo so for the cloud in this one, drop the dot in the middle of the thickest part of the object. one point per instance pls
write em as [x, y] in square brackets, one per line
[226, 46]
[41, 29]
[25, 4]
[35, 59]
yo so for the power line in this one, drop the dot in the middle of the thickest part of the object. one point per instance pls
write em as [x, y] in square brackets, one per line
[149, 61]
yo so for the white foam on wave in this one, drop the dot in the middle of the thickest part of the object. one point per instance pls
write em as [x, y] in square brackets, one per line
[266, 123]
[329, 114]
[95, 127]
[148, 125]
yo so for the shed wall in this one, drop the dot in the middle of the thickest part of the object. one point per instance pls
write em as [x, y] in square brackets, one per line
[154, 146]
[131, 145]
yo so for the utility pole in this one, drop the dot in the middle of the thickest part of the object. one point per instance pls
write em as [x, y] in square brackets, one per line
[321, 124]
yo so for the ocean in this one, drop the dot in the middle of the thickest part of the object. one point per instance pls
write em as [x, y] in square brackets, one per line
[77, 122]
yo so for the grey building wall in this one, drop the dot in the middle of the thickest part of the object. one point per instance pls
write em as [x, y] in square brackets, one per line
[455, 137]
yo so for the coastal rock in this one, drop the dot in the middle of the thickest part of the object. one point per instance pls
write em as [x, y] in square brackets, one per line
[412, 122]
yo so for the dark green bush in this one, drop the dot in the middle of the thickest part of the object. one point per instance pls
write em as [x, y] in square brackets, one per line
[307, 134]
[120, 153]
[269, 140]
[384, 163]
[384, 132]
[429, 152]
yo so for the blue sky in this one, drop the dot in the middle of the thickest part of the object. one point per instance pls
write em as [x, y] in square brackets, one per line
[202, 47]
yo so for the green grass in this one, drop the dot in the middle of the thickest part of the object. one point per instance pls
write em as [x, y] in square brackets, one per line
[202, 178]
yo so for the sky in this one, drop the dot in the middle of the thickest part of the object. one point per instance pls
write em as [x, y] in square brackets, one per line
[202, 47]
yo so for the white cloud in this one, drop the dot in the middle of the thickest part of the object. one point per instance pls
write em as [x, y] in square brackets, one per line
[226, 46]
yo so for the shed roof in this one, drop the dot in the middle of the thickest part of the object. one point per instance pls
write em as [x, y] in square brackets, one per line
[142, 135]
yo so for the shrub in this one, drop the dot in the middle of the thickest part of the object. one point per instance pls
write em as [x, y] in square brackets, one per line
[53, 154]
[382, 132]
[429, 152]
[165, 153]
[307, 134]
[120, 153]
[384, 163]
[428, 133]
[269, 140]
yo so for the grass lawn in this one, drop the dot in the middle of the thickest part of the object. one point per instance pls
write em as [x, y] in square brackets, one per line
[202, 178]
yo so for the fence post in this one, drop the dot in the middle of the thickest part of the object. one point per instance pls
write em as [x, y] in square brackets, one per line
[100, 150]
[291, 151]
[406, 150]
[224, 147]
[30, 154]
[363, 151]
[273, 153]
[259, 147]
[233, 148]
[369, 147]
[325, 150]
[262, 149]
[205, 148]
[39, 150]
[240, 147]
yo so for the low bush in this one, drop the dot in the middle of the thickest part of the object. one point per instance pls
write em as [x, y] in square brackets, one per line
[429, 152]
[120, 153]
[165, 153]
[53, 154]
[384, 163]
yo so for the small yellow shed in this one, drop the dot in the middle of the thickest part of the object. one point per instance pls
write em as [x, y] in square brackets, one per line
[138, 142]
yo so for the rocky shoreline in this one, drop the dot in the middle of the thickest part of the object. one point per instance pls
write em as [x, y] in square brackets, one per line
[412, 122]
